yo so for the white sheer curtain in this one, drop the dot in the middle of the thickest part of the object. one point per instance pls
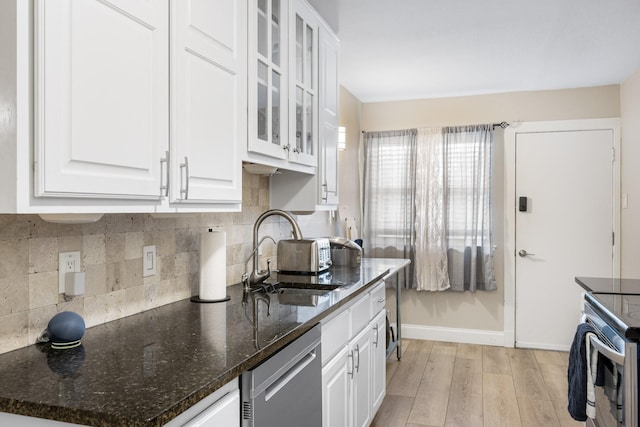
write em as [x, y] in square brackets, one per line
[431, 265]
[389, 194]
[427, 197]
[468, 150]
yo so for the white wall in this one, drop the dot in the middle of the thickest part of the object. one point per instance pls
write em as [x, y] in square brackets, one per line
[482, 311]
[349, 178]
[630, 175]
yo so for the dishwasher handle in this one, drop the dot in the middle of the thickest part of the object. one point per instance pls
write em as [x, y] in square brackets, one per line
[289, 375]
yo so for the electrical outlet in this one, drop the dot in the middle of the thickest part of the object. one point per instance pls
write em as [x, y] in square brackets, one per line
[148, 260]
[68, 262]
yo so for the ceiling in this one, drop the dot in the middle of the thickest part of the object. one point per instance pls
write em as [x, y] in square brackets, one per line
[413, 49]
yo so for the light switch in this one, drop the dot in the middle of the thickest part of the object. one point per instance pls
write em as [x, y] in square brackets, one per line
[148, 261]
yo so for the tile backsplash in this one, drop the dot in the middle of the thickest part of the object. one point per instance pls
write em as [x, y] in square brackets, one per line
[111, 257]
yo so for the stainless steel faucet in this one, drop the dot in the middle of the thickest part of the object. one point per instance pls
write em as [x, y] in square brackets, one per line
[257, 276]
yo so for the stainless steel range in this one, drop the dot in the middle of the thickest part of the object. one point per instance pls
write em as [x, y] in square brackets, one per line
[612, 307]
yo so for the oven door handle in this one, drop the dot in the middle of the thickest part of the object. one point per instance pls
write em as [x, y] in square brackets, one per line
[606, 351]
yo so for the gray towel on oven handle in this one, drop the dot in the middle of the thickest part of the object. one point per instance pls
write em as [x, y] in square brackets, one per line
[578, 374]
[612, 389]
[592, 374]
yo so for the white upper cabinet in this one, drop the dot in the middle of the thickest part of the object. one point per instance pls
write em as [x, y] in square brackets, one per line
[328, 119]
[208, 100]
[283, 85]
[303, 85]
[113, 112]
[101, 98]
[268, 92]
[303, 192]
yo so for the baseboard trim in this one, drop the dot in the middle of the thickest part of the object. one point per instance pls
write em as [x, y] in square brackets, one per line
[469, 336]
[538, 346]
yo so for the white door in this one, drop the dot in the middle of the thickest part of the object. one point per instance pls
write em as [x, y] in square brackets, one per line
[209, 99]
[101, 90]
[565, 230]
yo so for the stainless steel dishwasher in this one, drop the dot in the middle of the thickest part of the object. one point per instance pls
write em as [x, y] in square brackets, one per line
[286, 389]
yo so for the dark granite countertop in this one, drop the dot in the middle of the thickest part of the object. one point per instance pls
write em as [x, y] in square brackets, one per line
[603, 285]
[146, 369]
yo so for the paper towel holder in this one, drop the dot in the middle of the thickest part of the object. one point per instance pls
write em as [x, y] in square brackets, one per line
[196, 298]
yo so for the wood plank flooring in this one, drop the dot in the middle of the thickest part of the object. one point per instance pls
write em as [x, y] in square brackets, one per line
[450, 385]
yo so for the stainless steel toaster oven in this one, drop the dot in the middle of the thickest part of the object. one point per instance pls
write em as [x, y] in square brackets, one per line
[304, 256]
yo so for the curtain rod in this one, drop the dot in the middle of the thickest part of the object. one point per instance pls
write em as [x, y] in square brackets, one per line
[502, 125]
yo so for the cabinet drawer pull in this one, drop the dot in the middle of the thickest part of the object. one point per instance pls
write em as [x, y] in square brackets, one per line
[164, 189]
[358, 353]
[184, 189]
[377, 334]
[353, 368]
[380, 300]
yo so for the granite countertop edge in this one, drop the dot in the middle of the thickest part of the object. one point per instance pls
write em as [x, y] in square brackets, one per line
[108, 418]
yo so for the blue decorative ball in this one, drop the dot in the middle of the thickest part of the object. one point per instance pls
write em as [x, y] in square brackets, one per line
[65, 330]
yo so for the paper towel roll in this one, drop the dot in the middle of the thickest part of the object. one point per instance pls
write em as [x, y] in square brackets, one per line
[213, 265]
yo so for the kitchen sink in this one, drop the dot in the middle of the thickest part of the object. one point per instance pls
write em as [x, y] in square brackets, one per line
[303, 296]
[306, 286]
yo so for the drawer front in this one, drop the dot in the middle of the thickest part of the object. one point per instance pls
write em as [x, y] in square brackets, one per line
[360, 314]
[335, 335]
[378, 300]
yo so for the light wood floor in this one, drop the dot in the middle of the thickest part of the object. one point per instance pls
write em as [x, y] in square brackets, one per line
[447, 384]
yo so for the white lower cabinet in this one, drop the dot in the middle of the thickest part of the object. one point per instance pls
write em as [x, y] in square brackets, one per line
[225, 412]
[353, 355]
[336, 378]
[221, 408]
[361, 382]
[378, 358]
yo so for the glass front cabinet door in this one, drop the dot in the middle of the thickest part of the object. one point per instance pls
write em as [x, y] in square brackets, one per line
[268, 89]
[303, 113]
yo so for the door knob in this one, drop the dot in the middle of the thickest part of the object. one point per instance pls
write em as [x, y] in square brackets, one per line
[524, 253]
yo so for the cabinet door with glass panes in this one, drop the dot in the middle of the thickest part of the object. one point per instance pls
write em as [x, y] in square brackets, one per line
[268, 65]
[303, 85]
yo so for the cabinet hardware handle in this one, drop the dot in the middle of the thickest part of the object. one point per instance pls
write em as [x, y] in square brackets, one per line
[377, 335]
[164, 189]
[325, 192]
[286, 147]
[350, 355]
[358, 353]
[380, 300]
[184, 189]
